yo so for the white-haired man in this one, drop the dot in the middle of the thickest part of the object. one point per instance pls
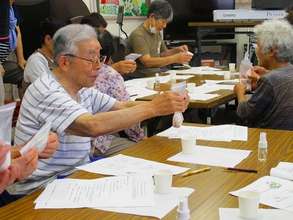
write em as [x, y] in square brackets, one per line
[271, 104]
[78, 111]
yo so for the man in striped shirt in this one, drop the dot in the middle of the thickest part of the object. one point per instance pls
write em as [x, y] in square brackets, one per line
[76, 110]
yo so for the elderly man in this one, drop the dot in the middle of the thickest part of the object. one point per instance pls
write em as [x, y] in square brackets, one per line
[271, 104]
[147, 40]
[78, 111]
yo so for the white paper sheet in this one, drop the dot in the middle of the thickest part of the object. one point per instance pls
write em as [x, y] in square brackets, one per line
[132, 56]
[263, 214]
[122, 191]
[39, 140]
[6, 115]
[123, 165]
[212, 156]
[274, 191]
[201, 96]
[164, 203]
[283, 170]
[213, 133]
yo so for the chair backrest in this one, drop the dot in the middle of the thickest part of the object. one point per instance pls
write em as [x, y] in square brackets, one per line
[64, 10]
[76, 19]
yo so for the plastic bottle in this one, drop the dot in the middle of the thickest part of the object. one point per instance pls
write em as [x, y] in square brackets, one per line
[245, 67]
[183, 212]
[157, 82]
[262, 147]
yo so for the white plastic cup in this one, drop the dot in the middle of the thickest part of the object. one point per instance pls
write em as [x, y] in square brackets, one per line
[248, 204]
[188, 143]
[150, 84]
[232, 67]
[227, 75]
[163, 181]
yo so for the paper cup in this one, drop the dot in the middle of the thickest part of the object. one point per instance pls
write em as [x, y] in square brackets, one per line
[188, 143]
[227, 75]
[163, 181]
[232, 67]
[248, 204]
[150, 84]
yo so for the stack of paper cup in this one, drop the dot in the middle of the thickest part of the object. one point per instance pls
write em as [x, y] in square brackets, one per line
[232, 67]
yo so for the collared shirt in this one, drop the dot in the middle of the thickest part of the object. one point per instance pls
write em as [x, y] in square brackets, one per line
[271, 106]
[110, 82]
[142, 41]
[47, 100]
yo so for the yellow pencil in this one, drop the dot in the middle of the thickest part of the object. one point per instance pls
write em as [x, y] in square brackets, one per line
[196, 171]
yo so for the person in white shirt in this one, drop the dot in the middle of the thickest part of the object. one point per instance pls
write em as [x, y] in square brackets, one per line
[41, 61]
[77, 111]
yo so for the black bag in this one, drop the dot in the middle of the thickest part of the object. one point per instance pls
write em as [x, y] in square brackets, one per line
[13, 73]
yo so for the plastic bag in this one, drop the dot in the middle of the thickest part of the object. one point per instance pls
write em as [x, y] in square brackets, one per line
[178, 116]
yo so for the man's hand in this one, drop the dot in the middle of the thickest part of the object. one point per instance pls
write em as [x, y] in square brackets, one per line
[182, 57]
[254, 75]
[239, 90]
[182, 48]
[51, 147]
[24, 166]
[125, 66]
[169, 102]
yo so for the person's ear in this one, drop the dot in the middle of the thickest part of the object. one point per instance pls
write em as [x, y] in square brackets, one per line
[63, 63]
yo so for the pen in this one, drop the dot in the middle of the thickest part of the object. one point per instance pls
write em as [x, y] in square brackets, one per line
[242, 170]
[196, 171]
[133, 95]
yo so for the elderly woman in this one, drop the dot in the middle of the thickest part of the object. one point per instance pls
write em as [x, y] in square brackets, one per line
[271, 104]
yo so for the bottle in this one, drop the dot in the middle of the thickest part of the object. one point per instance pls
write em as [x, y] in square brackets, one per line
[157, 82]
[183, 212]
[244, 69]
[262, 147]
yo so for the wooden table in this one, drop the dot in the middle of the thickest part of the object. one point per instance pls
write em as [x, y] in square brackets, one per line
[224, 97]
[211, 188]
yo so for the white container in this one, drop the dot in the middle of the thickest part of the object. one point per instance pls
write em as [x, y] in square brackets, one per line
[232, 67]
[262, 147]
[183, 212]
[248, 204]
[163, 181]
[227, 75]
[188, 144]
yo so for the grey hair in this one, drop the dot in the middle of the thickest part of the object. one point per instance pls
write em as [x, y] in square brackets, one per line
[161, 9]
[278, 35]
[65, 39]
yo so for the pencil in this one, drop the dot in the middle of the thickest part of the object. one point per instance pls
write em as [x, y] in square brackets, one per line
[242, 170]
[196, 171]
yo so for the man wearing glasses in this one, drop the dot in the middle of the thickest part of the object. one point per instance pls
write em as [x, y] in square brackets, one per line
[77, 111]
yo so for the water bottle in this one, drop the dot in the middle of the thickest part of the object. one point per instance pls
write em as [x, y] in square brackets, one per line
[262, 147]
[183, 212]
[157, 82]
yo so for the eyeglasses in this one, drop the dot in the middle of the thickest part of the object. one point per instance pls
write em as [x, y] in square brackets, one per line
[95, 61]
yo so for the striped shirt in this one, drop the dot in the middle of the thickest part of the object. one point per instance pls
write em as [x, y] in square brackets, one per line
[46, 100]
